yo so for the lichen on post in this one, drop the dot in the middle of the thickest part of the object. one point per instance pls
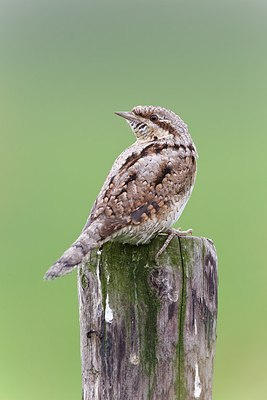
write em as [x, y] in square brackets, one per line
[148, 329]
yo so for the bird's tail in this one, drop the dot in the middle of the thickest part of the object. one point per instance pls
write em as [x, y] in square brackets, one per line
[71, 258]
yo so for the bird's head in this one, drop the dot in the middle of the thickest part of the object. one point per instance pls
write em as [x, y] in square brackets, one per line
[151, 123]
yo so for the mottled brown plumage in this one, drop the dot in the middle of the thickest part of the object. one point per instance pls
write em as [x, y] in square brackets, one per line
[146, 189]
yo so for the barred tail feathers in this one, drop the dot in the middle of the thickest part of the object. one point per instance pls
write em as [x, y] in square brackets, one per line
[72, 257]
[67, 262]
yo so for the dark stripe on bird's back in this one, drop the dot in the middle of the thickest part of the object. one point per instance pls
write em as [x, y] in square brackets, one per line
[152, 148]
[167, 169]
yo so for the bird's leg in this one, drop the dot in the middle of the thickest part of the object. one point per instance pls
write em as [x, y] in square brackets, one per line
[171, 234]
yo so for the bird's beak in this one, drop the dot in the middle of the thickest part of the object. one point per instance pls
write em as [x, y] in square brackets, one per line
[126, 114]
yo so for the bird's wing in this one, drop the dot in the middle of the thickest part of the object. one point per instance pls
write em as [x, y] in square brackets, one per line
[146, 184]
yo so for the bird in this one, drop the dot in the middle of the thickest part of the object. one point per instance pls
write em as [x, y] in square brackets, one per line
[145, 191]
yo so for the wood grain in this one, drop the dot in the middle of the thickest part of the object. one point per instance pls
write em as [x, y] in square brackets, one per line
[148, 331]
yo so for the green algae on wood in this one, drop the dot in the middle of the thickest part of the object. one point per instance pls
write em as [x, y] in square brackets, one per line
[148, 330]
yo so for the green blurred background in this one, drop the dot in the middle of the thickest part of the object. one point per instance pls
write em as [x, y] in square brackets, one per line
[65, 67]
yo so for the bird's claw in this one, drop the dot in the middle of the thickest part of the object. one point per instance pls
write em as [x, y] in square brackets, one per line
[171, 234]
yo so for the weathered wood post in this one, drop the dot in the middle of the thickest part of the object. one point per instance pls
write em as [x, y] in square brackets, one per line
[148, 331]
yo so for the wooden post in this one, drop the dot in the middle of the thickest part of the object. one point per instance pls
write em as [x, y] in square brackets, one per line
[148, 331]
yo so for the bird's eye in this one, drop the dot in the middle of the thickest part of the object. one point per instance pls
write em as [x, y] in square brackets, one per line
[154, 118]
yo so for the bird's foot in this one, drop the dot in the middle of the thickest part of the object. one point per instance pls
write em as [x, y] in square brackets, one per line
[171, 234]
